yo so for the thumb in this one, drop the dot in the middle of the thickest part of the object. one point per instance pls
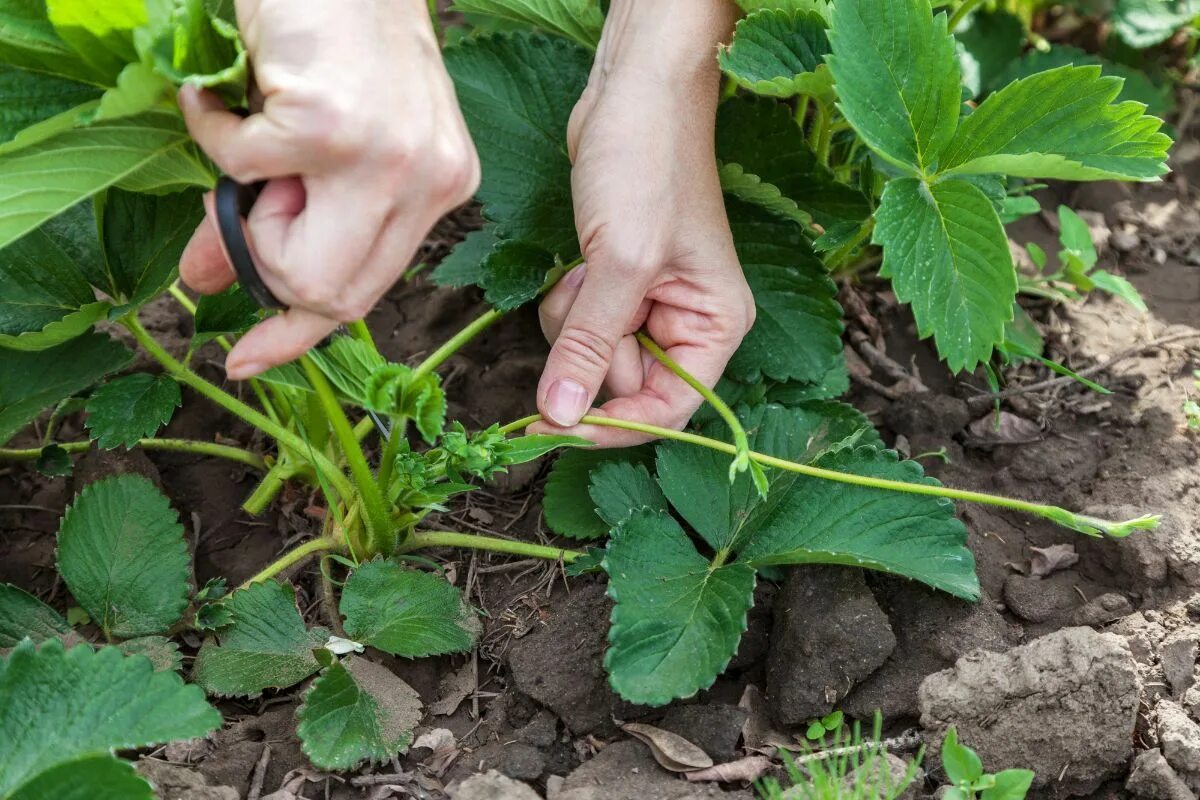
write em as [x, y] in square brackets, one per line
[584, 350]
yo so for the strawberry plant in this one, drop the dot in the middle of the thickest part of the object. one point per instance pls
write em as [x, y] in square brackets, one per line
[844, 131]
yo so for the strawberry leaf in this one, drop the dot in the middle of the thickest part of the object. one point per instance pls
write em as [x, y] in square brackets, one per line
[947, 254]
[266, 646]
[774, 52]
[567, 504]
[357, 711]
[23, 615]
[229, 313]
[28, 40]
[162, 652]
[88, 777]
[144, 237]
[619, 488]
[122, 554]
[131, 408]
[1146, 23]
[57, 705]
[406, 612]
[30, 97]
[101, 33]
[464, 264]
[580, 20]
[513, 274]
[677, 619]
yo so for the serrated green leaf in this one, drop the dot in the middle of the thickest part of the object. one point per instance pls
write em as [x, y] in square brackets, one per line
[29, 97]
[131, 408]
[567, 504]
[162, 652]
[33, 381]
[29, 41]
[1146, 23]
[429, 410]
[406, 612]
[897, 78]
[514, 273]
[23, 615]
[736, 182]
[1062, 124]
[772, 47]
[591, 561]
[516, 93]
[522, 449]
[822, 7]
[677, 619]
[357, 711]
[101, 33]
[797, 333]
[44, 179]
[45, 297]
[54, 462]
[990, 41]
[1159, 99]
[196, 46]
[809, 520]
[464, 265]
[139, 88]
[144, 237]
[122, 554]
[350, 364]
[580, 20]
[619, 488]
[230, 313]
[266, 646]
[58, 705]
[90, 777]
[696, 480]
[760, 135]
[947, 255]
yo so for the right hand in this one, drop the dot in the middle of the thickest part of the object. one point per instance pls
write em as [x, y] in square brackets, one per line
[363, 146]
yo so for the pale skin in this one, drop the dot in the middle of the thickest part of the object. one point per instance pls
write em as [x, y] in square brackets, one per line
[354, 186]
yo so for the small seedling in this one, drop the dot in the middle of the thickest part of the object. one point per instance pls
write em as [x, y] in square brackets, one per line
[819, 728]
[968, 781]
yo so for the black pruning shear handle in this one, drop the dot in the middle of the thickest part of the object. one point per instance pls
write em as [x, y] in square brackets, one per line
[233, 203]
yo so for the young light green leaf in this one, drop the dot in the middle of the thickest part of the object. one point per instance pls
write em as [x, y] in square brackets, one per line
[88, 777]
[797, 334]
[266, 646]
[195, 45]
[1062, 124]
[580, 20]
[29, 97]
[736, 182]
[130, 408]
[773, 48]
[33, 381]
[514, 273]
[28, 41]
[162, 652]
[229, 313]
[357, 711]
[464, 265]
[122, 554]
[353, 366]
[57, 705]
[429, 409]
[947, 255]
[961, 763]
[516, 93]
[1146, 23]
[406, 612]
[44, 179]
[897, 78]
[23, 615]
[1011, 784]
[139, 88]
[1118, 286]
[522, 449]
[677, 620]
[619, 488]
[101, 33]
[568, 506]
[759, 135]
[144, 237]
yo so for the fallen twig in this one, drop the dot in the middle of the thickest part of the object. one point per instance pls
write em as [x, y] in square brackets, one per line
[909, 740]
[260, 774]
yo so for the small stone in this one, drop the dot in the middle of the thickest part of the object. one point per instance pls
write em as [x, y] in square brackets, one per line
[1178, 654]
[522, 761]
[1179, 738]
[829, 635]
[1102, 610]
[1041, 599]
[1153, 779]
[180, 783]
[491, 785]
[626, 770]
[715, 729]
[541, 731]
[1124, 241]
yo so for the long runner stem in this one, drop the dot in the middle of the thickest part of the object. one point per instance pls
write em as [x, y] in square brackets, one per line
[173, 445]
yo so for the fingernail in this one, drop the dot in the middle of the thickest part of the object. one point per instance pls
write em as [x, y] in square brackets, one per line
[240, 371]
[566, 403]
[575, 277]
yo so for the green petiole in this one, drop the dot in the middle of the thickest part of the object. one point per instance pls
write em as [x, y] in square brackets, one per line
[172, 445]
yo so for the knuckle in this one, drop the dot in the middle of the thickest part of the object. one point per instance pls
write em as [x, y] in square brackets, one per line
[584, 350]
[317, 295]
[458, 175]
[334, 129]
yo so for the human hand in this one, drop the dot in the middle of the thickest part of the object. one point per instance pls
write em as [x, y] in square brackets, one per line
[363, 146]
[656, 244]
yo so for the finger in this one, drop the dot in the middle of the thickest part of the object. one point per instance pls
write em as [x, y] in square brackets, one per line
[278, 340]
[388, 260]
[584, 349]
[203, 266]
[249, 149]
[553, 310]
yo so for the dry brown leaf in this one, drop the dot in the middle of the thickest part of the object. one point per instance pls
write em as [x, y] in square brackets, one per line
[1045, 561]
[759, 734]
[750, 768]
[671, 750]
[454, 688]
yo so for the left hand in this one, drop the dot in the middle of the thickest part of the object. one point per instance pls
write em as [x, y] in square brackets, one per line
[657, 253]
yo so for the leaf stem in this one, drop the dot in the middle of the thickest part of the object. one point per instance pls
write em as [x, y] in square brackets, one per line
[422, 539]
[270, 486]
[174, 445]
[231, 404]
[381, 537]
[293, 557]
[966, 8]
[1082, 523]
[455, 343]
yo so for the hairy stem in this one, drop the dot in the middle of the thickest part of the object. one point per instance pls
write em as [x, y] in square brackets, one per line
[293, 557]
[231, 404]
[1083, 523]
[381, 538]
[456, 343]
[422, 539]
[174, 445]
[267, 489]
